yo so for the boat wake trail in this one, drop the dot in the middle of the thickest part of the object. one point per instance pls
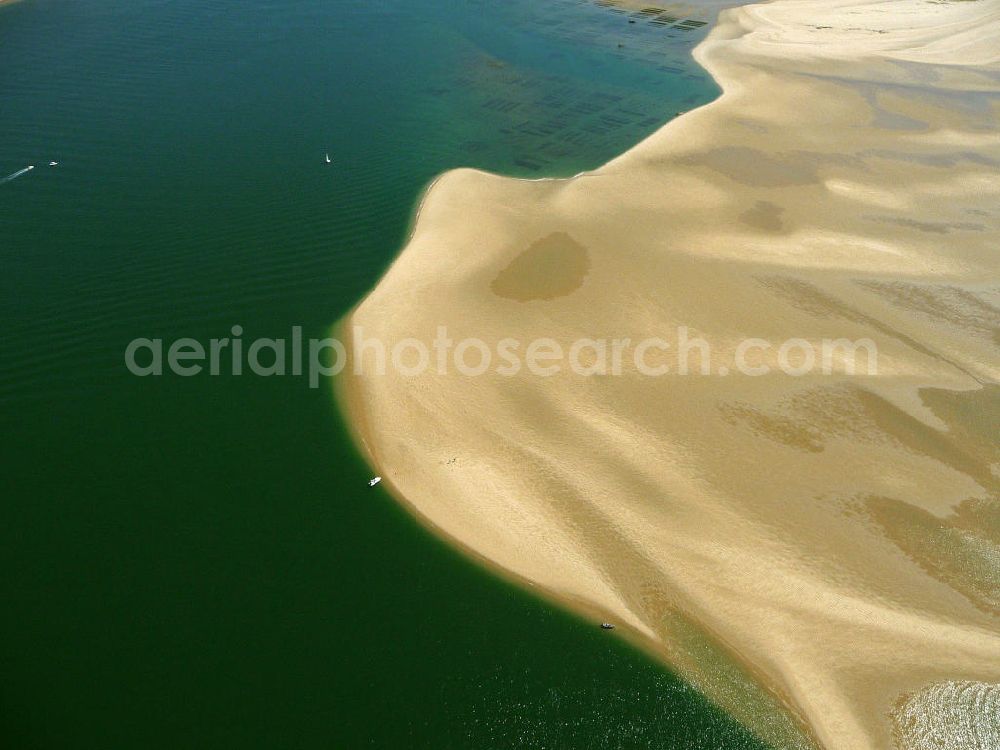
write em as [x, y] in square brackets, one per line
[12, 177]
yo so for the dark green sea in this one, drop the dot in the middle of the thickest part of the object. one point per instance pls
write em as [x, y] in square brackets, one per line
[198, 562]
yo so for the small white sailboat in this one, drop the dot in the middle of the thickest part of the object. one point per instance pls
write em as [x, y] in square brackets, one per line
[53, 164]
[373, 481]
[328, 159]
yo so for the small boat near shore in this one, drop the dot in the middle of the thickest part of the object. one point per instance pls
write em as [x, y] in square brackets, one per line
[607, 626]
[373, 481]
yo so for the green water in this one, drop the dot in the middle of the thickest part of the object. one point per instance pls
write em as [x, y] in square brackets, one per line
[198, 562]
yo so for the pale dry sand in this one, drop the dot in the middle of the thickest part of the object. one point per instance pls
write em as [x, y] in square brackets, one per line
[820, 554]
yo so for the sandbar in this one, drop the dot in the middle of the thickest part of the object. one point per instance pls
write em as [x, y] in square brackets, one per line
[818, 553]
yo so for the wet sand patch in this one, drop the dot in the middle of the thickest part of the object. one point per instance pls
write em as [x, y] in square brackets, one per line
[554, 266]
[765, 216]
[749, 166]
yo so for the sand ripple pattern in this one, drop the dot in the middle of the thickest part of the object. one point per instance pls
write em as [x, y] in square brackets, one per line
[950, 716]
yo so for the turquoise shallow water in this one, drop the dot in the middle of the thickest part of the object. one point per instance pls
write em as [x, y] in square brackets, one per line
[198, 562]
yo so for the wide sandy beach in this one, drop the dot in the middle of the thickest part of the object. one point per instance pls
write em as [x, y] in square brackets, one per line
[819, 553]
